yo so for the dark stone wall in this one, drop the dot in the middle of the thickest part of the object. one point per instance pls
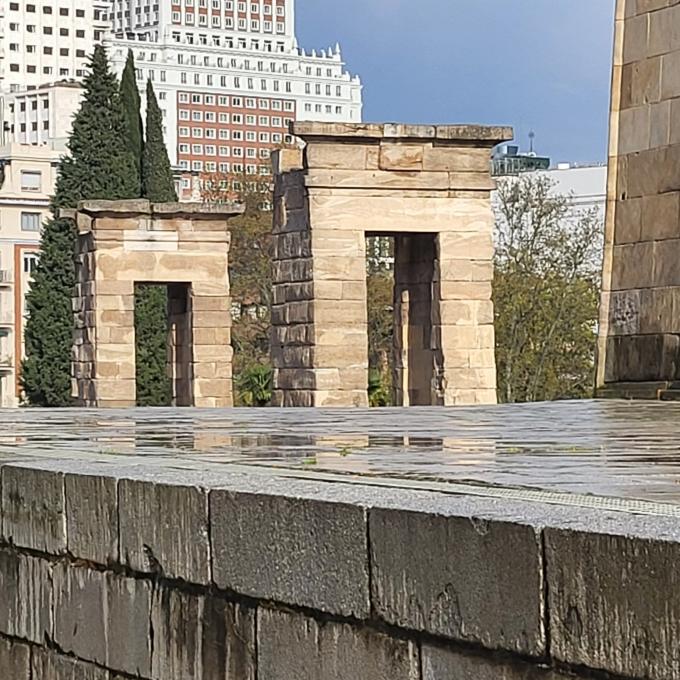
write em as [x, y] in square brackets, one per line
[113, 573]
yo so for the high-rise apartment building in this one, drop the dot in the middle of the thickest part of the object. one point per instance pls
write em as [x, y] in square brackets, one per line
[43, 41]
[229, 77]
[218, 18]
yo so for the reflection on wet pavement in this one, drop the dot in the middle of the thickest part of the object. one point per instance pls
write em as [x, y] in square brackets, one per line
[622, 449]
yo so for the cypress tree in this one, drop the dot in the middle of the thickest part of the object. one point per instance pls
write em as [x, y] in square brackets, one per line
[99, 166]
[151, 318]
[130, 99]
[157, 182]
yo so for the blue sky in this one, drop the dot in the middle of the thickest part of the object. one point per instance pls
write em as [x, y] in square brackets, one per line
[541, 65]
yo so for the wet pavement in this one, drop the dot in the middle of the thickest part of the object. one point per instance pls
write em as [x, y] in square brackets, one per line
[628, 451]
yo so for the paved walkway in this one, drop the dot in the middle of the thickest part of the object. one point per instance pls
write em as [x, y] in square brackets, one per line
[605, 454]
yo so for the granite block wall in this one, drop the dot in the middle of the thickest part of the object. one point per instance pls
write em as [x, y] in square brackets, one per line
[113, 573]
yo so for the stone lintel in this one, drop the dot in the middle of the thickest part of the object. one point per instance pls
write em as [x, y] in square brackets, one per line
[195, 211]
[479, 135]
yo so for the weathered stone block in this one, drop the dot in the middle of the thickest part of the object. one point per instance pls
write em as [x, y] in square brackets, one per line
[660, 217]
[401, 156]
[624, 312]
[164, 529]
[211, 303]
[26, 602]
[104, 618]
[605, 589]
[198, 637]
[390, 214]
[631, 265]
[383, 179]
[444, 664]
[666, 267]
[79, 599]
[336, 156]
[639, 358]
[628, 221]
[357, 398]
[463, 290]
[660, 124]
[33, 513]
[49, 665]
[463, 578]
[456, 159]
[293, 550]
[635, 129]
[670, 81]
[636, 36]
[463, 337]
[294, 646]
[15, 661]
[464, 270]
[659, 310]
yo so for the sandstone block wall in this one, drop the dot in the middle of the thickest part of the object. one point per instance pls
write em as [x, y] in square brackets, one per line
[429, 188]
[113, 573]
[183, 246]
[639, 346]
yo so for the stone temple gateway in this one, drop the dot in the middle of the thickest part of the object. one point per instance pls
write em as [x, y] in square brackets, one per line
[183, 246]
[428, 187]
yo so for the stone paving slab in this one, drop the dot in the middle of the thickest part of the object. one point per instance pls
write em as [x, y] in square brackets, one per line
[612, 449]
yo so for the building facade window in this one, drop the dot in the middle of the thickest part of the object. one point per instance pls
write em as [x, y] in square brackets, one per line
[30, 221]
[31, 180]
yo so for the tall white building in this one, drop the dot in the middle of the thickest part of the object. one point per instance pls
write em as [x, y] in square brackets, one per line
[229, 77]
[48, 40]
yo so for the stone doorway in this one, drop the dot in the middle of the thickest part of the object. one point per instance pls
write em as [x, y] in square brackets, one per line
[429, 187]
[417, 372]
[182, 246]
[404, 263]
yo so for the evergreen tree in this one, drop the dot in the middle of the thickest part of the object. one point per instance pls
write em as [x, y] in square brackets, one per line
[130, 99]
[151, 318]
[154, 387]
[157, 182]
[99, 166]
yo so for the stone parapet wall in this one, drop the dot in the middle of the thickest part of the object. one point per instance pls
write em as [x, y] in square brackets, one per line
[639, 346]
[111, 572]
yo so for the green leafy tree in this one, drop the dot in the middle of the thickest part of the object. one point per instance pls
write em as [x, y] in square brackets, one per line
[99, 166]
[380, 294]
[250, 274]
[154, 387]
[546, 286]
[129, 95]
